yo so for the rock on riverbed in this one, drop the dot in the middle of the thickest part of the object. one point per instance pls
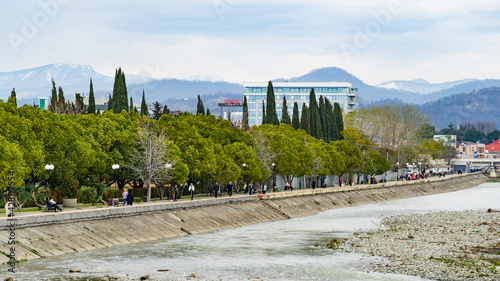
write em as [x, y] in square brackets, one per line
[440, 246]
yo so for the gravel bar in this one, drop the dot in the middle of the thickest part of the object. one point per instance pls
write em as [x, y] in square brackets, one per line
[461, 245]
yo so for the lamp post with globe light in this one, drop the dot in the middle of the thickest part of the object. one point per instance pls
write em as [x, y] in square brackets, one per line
[168, 166]
[49, 168]
[397, 172]
[116, 167]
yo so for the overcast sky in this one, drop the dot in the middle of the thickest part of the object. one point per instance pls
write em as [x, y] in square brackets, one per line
[254, 40]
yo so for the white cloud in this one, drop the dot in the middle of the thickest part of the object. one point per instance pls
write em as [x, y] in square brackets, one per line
[262, 40]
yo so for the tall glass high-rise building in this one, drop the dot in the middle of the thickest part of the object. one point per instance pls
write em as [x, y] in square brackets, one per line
[256, 94]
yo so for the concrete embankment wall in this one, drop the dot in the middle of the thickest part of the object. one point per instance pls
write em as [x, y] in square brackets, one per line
[62, 233]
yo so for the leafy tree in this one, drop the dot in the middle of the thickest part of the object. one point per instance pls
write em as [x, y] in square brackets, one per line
[79, 106]
[305, 120]
[285, 118]
[144, 107]
[157, 110]
[245, 111]
[151, 154]
[295, 116]
[271, 115]
[11, 160]
[493, 136]
[426, 131]
[91, 108]
[69, 185]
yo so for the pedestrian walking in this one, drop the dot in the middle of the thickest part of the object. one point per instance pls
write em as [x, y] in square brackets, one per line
[176, 190]
[130, 199]
[124, 196]
[191, 188]
[264, 189]
[230, 189]
[216, 189]
[313, 184]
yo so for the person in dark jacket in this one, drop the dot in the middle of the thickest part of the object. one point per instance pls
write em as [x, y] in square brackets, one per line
[230, 189]
[130, 198]
[216, 189]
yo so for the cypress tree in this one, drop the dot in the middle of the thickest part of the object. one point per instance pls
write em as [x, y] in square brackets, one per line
[98, 111]
[166, 111]
[323, 118]
[285, 117]
[61, 102]
[131, 105]
[125, 97]
[339, 122]
[144, 107]
[304, 119]
[295, 116]
[13, 98]
[263, 114]
[245, 111]
[330, 124]
[208, 111]
[110, 102]
[271, 115]
[315, 123]
[200, 109]
[60, 98]
[91, 108]
[53, 99]
[120, 96]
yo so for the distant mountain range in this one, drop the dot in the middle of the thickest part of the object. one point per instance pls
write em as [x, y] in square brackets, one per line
[481, 105]
[421, 86]
[178, 94]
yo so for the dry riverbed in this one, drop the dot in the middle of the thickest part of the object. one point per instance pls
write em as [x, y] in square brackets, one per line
[461, 245]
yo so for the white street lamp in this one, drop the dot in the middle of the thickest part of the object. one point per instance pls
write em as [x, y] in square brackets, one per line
[116, 167]
[49, 168]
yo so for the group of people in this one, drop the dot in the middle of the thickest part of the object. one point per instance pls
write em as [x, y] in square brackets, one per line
[128, 198]
[218, 190]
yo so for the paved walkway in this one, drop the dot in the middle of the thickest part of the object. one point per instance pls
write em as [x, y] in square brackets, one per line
[92, 212]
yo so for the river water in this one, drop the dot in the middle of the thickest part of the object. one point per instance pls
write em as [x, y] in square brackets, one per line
[283, 250]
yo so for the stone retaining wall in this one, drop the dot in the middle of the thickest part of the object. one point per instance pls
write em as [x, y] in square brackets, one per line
[56, 234]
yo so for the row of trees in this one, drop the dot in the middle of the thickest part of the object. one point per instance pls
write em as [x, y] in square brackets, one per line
[200, 149]
[164, 149]
[323, 121]
[486, 132]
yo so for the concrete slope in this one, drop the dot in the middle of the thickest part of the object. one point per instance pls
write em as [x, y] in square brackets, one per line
[39, 236]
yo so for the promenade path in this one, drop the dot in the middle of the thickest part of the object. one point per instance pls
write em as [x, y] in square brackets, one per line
[37, 218]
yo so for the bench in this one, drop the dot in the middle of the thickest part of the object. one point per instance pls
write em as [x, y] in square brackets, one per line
[49, 208]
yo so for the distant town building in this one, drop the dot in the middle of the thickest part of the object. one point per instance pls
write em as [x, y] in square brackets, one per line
[340, 92]
[469, 150]
[43, 103]
[450, 140]
[233, 108]
[493, 149]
